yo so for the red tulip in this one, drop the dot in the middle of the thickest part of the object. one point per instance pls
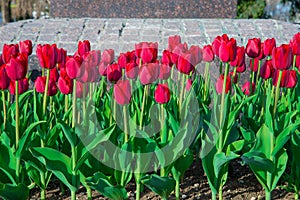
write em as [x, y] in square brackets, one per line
[149, 73]
[253, 47]
[114, 72]
[102, 69]
[227, 50]
[80, 89]
[254, 66]
[108, 56]
[166, 58]
[8, 51]
[220, 82]
[40, 84]
[177, 51]
[241, 68]
[47, 55]
[83, 47]
[295, 44]
[162, 94]
[22, 86]
[54, 74]
[61, 57]
[261, 54]
[185, 63]
[123, 59]
[164, 72]
[269, 45]
[148, 52]
[4, 79]
[26, 47]
[239, 58]
[208, 54]
[17, 67]
[73, 66]
[122, 92]
[173, 42]
[267, 70]
[217, 43]
[131, 70]
[288, 79]
[282, 57]
[65, 85]
[246, 88]
[196, 52]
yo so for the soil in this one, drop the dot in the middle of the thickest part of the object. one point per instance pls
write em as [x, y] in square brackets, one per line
[241, 185]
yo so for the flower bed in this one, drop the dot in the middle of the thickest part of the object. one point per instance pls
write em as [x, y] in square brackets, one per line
[98, 122]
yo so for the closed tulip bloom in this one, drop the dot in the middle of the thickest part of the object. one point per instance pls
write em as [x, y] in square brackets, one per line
[26, 47]
[149, 73]
[40, 84]
[177, 51]
[261, 54]
[295, 44]
[217, 43]
[65, 85]
[61, 55]
[123, 59]
[102, 69]
[73, 66]
[80, 89]
[246, 88]
[239, 58]
[227, 50]
[149, 52]
[241, 69]
[8, 51]
[122, 92]
[288, 79]
[108, 56]
[269, 45]
[83, 47]
[4, 79]
[196, 52]
[208, 54]
[185, 63]
[114, 72]
[173, 42]
[162, 94]
[47, 55]
[131, 70]
[22, 86]
[282, 57]
[164, 72]
[267, 70]
[166, 58]
[54, 75]
[253, 47]
[17, 67]
[220, 82]
[87, 74]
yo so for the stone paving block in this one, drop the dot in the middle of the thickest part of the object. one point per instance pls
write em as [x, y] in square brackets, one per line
[130, 38]
[153, 31]
[48, 38]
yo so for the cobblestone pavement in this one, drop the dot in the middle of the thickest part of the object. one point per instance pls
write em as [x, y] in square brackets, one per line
[122, 34]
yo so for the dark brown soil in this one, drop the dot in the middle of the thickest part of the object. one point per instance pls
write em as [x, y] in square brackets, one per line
[241, 185]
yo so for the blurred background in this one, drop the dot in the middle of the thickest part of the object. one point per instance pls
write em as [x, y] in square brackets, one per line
[285, 10]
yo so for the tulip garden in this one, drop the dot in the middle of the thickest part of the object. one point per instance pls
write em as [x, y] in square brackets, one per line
[101, 121]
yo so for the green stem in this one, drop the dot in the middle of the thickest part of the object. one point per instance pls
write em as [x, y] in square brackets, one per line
[214, 196]
[125, 125]
[183, 82]
[18, 160]
[4, 109]
[268, 195]
[222, 107]
[163, 135]
[177, 189]
[74, 104]
[138, 189]
[89, 193]
[258, 71]
[74, 174]
[294, 62]
[221, 193]
[46, 93]
[43, 182]
[84, 104]
[277, 93]
[143, 105]
[73, 195]
[221, 67]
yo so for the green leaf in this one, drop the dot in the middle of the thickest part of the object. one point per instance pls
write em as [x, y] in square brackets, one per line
[162, 186]
[69, 133]
[100, 183]
[264, 142]
[220, 160]
[8, 162]
[58, 163]
[235, 146]
[16, 192]
[258, 161]
[281, 162]
[23, 142]
[182, 164]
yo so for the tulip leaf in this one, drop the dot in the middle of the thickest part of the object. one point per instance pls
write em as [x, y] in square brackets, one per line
[182, 164]
[264, 142]
[281, 159]
[162, 186]
[23, 142]
[100, 183]
[16, 192]
[235, 146]
[8, 162]
[258, 161]
[58, 163]
[220, 160]
[69, 133]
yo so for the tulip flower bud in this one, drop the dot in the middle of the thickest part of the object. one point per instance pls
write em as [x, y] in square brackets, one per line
[122, 92]
[26, 47]
[22, 86]
[162, 94]
[47, 55]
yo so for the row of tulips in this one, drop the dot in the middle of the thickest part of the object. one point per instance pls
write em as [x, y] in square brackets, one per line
[92, 120]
